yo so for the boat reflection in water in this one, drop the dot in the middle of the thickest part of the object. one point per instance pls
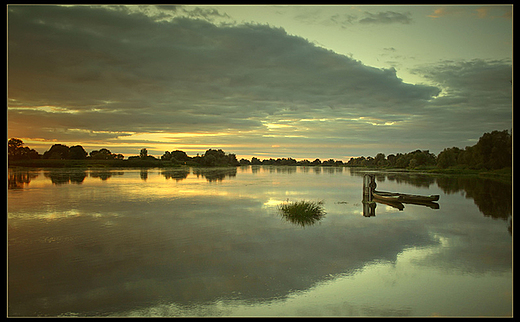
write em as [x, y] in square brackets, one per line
[371, 196]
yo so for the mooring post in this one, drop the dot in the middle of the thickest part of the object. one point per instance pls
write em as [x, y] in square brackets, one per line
[369, 185]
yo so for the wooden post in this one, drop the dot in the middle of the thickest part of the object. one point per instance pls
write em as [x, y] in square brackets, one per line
[369, 185]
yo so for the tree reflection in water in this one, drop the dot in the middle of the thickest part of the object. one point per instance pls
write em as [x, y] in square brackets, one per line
[493, 198]
[215, 174]
[19, 179]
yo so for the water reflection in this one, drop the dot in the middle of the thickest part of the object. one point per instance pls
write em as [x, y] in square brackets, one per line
[215, 174]
[124, 246]
[493, 198]
[414, 179]
[143, 173]
[61, 176]
[176, 174]
[19, 179]
[105, 174]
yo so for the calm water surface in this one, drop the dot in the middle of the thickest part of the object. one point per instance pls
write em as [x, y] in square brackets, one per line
[211, 242]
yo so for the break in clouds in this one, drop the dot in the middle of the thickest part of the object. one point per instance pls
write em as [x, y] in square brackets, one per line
[85, 74]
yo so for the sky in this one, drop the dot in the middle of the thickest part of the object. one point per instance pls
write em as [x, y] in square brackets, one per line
[266, 81]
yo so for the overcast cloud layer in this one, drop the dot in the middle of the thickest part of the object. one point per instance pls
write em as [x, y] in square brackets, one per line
[124, 79]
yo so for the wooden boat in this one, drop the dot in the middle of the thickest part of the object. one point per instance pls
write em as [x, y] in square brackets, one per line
[430, 204]
[387, 196]
[403, 197]
[389, 202]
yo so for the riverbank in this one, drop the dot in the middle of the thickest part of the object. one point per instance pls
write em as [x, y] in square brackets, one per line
[504, 174]
[89, 163]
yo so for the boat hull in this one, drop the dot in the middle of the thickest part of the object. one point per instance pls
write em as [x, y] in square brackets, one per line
[403, 197]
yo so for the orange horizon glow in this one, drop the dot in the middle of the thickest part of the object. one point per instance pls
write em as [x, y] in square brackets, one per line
[42, 145]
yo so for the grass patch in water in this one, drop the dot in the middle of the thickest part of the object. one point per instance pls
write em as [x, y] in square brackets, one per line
[303, 213]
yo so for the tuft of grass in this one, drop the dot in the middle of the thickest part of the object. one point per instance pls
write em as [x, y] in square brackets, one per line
[303, 213]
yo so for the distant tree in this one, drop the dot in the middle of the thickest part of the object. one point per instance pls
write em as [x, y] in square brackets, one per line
[57, 151]
[26, 153]
[305, 162]
[244, 162]
[412, 164]
[255, 161]
[329, 162]
[180, 156]
[423, 158]
[210, 160]
[16, 150]
[448, 157]
[143, 154]
[391, 160]
[77, 152]
[357, 162]
[370, 162]
[402, 160]
[167, 156]
[494, 150]
[213, 158]
[380, 160]
[102, 154]
[177, 156]
[13, 146]
[316, 162]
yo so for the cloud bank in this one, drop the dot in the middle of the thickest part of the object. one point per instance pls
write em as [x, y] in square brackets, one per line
[99, 75]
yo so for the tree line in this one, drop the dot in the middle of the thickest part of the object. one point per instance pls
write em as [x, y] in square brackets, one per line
[492, 151]
[17, 151]
[290, 161]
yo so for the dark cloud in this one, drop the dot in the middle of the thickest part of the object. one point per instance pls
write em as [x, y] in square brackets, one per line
[386, 17]
[480, 88]
[476, 98]
[489, 77]
[205, 13]
[121, 71]
[345, 20]
[109, 71]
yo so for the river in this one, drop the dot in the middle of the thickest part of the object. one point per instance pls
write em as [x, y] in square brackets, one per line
[212, 242]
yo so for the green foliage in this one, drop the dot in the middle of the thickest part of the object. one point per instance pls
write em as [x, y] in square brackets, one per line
[409, 160]
[105, 154]
[303, 213]
[493, 151]
[449, 157]
[176, 156]
[57, 152]
[16, 151]
[77, 153]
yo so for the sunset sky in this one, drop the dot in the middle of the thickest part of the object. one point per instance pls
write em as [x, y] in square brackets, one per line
[266, 81]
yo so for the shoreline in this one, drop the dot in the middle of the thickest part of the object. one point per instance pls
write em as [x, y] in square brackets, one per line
[49, 163]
